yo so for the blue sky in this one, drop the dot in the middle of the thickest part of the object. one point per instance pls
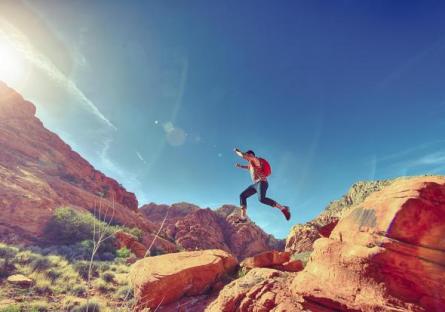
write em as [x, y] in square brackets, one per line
[158, 93]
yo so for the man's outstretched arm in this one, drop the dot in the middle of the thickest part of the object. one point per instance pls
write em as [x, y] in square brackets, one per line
[242, 166]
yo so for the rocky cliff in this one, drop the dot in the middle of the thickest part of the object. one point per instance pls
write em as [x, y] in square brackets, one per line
[39, 173]
[194, 228]
[385, 254]
[302, 236]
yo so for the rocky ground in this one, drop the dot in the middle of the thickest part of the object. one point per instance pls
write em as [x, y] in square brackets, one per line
[379, 248]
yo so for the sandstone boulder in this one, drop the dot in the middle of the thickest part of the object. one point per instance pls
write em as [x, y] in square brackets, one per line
[194, 228]
[130, 242]
[302, 236]
[260, 290]
[39, 172]
[164, 279]
[387, 254]
[20, 280]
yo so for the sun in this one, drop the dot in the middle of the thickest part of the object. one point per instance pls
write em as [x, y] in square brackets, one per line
[13, 66]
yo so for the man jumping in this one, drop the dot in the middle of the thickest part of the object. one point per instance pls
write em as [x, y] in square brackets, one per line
[259, 170]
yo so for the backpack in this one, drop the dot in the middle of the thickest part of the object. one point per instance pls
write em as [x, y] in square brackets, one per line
[265, 167]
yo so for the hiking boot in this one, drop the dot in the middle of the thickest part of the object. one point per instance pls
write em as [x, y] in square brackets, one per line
[240, 220]
[286, 212]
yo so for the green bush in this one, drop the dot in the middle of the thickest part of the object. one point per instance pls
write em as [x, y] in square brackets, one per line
[40, 264]
[53, 275]
[7, 252]
[75, 230]
[82, 268]
[39, 307]
[124, 252]
[11, 308]
[108, 277]
[90, 307]
[79, 291]
[124, 293]
[102, 286]
[6, 268]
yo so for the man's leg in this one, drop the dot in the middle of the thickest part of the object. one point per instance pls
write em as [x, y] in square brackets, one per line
[263, 185]
[243, 199]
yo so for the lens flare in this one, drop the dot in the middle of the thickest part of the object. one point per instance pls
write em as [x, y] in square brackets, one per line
[13, 66]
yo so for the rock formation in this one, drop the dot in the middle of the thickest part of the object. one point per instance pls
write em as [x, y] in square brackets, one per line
[386, 254]
[164, 279]
[274, 260]
[259, 290]
[303, 236]
[194, 228]
[39, 173]
[131, 243]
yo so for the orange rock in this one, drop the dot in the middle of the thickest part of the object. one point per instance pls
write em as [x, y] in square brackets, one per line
[267, 259]
[302, 236]
[194, 228]
[292, 266]
[386, 254]
[164, 279]
[261, 289]
[130, 242]
[39, 173]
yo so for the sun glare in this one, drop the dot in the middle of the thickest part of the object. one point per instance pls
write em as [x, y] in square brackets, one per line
[13, 69]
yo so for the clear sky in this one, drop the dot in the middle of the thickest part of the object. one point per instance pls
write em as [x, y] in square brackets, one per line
[156, 94]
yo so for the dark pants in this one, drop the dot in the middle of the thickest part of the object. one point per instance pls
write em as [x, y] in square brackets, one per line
[259, 187]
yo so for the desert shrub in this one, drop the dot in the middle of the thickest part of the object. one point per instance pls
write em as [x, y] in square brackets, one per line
[108, 277]
[6, 268]
[104, 267]
[124, 252]
[75, 230]
[40, 264]
[26, 257]
[124, 293]
[38, 307]
[79, 291]
[7, 252]
[89, 306]
[43, 288]
[7, 255]
[102, 286]
[82, 268]
[53, 274]
[11, 308]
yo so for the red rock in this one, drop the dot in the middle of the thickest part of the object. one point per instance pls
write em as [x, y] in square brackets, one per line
[130, 242]
[194, 228]
[386, 254]
[292, 266]
[20, 280]
[267, 259]
[302, 236]
[39, 173]
[165, 279]
[261, 289]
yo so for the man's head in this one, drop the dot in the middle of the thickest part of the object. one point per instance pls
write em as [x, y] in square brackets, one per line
[250, 155]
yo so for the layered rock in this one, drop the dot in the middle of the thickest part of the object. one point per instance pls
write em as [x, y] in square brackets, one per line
[302, 236]
[386, 254]
[259, 290]
[131, 243]
[194, 228]
[39, 173]
[164, 279]
[273, 259]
